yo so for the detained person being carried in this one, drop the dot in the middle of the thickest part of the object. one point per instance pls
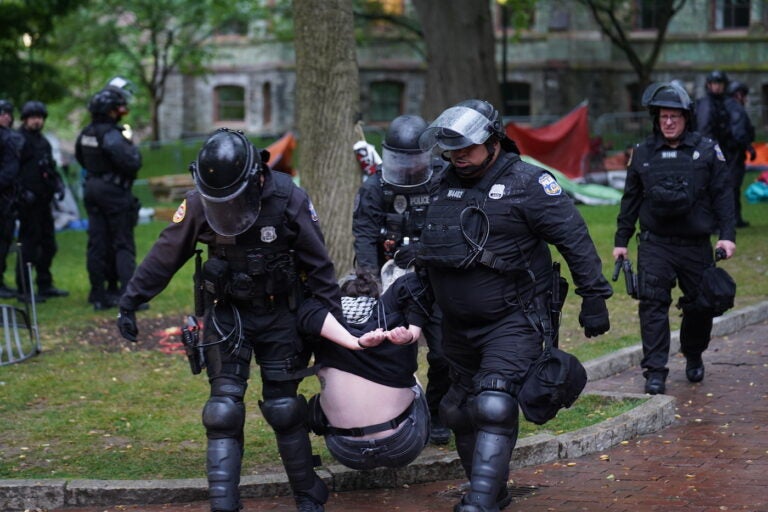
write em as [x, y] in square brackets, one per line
[371, 410]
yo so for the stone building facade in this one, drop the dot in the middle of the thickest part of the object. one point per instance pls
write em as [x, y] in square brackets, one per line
[553, 65]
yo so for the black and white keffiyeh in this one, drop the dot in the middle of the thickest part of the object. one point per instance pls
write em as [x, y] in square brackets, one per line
[358, 310]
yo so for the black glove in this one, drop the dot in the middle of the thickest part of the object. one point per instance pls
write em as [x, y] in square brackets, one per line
[594, 316]
[126, 322]
[406, 255]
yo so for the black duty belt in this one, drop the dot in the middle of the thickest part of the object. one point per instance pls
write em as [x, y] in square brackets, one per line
[372, 429]
[114, 179]
[647, 236]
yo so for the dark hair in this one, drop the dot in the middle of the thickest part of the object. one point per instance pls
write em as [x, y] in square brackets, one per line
[364, 284]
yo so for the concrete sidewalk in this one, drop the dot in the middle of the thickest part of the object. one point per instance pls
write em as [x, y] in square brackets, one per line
[716, 452]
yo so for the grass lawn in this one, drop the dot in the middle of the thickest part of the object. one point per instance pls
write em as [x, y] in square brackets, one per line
[93, 406]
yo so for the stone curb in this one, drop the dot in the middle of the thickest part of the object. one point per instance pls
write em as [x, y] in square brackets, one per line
[432, 465]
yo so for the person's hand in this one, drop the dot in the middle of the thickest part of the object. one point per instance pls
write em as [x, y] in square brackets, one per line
[126, 322]
[400, 336]
[594, 316]
[406, 255]
[372, 339]
[727, 246]
[752, 153]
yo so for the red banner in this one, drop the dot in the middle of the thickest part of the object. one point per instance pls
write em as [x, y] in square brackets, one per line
[563, 144]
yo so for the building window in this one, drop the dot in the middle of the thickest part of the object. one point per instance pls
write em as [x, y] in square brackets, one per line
[517, 99]
[230, 103]
[648, 13]
[386, 100]
[266, 97]
[731, 14]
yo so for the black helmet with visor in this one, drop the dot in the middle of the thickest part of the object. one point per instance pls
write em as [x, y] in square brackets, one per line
[404, 163]
[226, 174]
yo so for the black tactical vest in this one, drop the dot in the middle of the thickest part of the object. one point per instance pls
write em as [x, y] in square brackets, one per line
[673, 179]
[406, 210]
[91, 140]
[457, 222]
[260, 261]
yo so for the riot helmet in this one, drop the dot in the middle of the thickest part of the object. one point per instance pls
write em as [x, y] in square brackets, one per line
[107, 100]
[34, 108]
[667, 95]
[404, 163]
[227, 176]
[737, 87]
[465, 124]
[717, 76]
[6, 107]
[122, 86]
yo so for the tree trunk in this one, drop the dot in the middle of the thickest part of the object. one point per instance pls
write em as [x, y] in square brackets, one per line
[461, 62]
[327, 107]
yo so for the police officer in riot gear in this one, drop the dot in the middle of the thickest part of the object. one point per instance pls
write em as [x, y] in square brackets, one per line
[486, 248]
[111, 163]
[38, 183]
[10, 144]
[743, 133]
[264, 249]
[679, 190]
[712, 117]
[388, 217]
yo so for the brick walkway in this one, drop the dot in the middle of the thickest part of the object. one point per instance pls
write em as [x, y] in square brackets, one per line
[714, 458]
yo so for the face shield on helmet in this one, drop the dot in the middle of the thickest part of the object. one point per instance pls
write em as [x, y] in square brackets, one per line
[456, 128]
[226, 174]
[404, 163]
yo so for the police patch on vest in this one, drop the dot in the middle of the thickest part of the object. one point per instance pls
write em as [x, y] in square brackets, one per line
[696, 155]
[422, 200]
[719, 153]
[90, 141]
[669, 154]
[312, 212]
[181, 211]
[550, 186]
[496, 192]
[455, 193]
[268, 234]
[400, 203]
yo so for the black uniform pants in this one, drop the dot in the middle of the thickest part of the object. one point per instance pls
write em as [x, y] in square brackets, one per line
[38, 243]
[438, 375]
[111, 219]
[269, 334]
[738, 168]
[660, 266]
[7, 225]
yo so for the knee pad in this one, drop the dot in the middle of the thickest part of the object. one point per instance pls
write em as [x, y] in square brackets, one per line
[454, 411]
[284, 414]
[224, 415]
[496, 412]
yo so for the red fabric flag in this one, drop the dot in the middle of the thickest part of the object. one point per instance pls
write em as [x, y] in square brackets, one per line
[563, 144]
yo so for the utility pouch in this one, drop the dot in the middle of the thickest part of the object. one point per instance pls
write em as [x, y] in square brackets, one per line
[215, 276]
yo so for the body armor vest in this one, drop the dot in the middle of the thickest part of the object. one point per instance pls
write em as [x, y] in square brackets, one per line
[406, 210]
[673, 179]
[260, 261]
[91, 140]
[457, 225]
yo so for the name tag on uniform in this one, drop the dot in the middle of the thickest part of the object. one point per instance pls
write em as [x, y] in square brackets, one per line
[89, 141]
[455, 193]
[669, 154]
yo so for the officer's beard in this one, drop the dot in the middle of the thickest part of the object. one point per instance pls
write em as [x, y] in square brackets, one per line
[474, 172]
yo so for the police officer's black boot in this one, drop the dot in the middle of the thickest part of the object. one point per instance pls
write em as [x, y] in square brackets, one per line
[496, 414]
[223, 465]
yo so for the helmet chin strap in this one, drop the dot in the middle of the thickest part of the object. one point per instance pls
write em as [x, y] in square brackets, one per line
[475, 171]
